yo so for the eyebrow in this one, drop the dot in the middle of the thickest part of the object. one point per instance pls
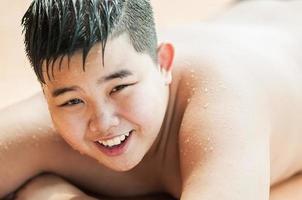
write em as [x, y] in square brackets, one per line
[119, 74]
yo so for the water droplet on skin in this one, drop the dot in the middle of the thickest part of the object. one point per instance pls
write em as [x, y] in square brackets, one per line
[206, 106]
[187, 83]
[183, 152]
[40, 129]
[188, 100]
[5, 147]
[192, 71]
[206, 90]
[194, 175]
[34, 137]
[208, 138]
[205, 149]
[211, 148]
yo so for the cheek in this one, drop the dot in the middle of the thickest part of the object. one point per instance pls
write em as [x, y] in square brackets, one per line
[142, 108]
[70, 127]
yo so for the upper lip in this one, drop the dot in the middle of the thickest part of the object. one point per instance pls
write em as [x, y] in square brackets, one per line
[111, 136]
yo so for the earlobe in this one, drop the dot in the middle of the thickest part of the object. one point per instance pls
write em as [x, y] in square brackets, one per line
[165, 54]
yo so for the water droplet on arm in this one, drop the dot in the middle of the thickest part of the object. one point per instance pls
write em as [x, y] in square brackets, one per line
[193, 90]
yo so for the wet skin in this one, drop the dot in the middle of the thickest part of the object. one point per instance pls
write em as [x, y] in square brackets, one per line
[226, 121]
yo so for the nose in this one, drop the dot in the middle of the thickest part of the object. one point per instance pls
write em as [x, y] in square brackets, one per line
[101, 122]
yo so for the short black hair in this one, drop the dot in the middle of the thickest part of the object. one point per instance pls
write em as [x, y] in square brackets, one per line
[55, 28]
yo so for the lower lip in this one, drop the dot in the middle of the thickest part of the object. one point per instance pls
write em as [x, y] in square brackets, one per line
[116, 150]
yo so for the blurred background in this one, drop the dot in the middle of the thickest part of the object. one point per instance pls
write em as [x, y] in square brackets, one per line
[17, 80]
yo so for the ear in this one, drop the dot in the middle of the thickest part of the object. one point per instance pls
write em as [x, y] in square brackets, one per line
[165, 55]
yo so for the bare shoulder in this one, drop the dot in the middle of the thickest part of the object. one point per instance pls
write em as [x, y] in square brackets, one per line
[242, 91]
[225, 125]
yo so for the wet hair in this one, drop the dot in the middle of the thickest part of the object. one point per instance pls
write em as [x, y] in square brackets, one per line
[55, 28]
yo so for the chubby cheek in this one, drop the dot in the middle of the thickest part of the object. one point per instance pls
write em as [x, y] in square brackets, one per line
[72, 129]
[142, 110]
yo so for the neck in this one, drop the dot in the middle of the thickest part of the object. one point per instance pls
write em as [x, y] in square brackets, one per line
[166, 143]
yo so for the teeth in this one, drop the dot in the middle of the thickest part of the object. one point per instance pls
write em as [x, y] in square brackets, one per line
[110, 143]
[117, 141]
[122, 137]
[114, 141]
[104, 143]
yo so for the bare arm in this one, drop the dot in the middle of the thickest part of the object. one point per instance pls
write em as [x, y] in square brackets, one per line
[25, 134]
[51, 187]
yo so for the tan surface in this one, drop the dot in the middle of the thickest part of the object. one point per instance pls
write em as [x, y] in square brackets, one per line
[17, 79]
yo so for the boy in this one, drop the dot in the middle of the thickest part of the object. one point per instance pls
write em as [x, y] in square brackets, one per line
[213, 128]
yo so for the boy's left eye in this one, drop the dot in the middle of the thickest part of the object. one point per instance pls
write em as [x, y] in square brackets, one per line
[118, 88]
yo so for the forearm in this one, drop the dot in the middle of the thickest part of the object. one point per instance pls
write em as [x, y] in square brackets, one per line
[52, 187]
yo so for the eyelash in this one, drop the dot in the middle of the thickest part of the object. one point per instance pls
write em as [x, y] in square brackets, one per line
[76, 101]
[119, 87]
[71, 102]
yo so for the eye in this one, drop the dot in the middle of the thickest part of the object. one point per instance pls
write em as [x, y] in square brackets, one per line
[72, 102]
[118, 88]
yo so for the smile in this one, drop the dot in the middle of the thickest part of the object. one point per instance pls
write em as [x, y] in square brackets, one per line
[114, 141]
[114, 146]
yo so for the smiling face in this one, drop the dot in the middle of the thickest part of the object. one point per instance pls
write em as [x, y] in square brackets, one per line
[112, 113]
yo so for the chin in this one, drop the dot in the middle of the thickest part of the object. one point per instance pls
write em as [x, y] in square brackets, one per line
[119, 165]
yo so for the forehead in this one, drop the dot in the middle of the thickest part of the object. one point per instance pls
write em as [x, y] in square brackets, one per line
[119, 53]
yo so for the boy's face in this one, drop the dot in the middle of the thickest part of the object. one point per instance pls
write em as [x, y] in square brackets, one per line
[113, 113]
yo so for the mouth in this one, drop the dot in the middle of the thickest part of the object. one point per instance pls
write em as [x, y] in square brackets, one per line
[115, 146]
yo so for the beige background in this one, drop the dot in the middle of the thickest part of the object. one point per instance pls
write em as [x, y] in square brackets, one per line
[17, 79]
